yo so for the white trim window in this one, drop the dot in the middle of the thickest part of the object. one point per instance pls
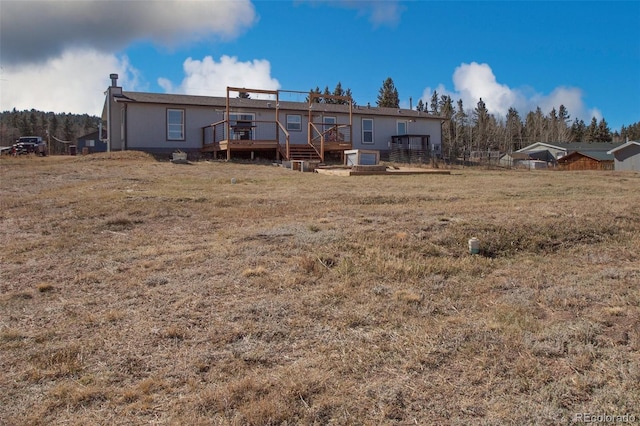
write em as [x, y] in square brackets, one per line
[402, 127]
[242, 125]
[175, 124]
[294, 122]
[367, 131]
[328, 122]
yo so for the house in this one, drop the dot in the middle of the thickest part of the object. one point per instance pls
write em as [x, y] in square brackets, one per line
[552, 152]
[626, 156]
[234, 126]
[91, 142]
[586, 160]
[539, 159]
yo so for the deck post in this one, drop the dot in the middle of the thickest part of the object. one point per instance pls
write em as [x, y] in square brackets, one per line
[228, 126]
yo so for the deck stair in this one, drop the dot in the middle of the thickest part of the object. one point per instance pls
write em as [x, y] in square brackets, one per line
[303, 152]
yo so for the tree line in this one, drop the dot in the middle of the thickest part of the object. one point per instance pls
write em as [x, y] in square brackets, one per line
[477, 130]
[50, 126]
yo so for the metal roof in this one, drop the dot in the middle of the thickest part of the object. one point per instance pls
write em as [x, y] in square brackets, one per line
[574, 146]
[623, 146]
[595, 155]
[220, 102]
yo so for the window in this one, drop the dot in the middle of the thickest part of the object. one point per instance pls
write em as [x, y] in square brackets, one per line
[242, 126]
[294, 123]
[90, 142]
[328, 122]
[367, 130]
[402, 127]
[175, 124]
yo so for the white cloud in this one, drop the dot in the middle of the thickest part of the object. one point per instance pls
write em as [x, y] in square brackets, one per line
[34, 31]
[74, 82]
[211, 78]
[383, 13]
[57, 55]
[474, 81]
[379, 12]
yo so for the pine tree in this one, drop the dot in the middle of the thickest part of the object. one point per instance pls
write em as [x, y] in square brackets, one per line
[348, 94]
[460, 118]
[592, 131]
[53, 125]
[339, 92]
[448, 126]
[420, 106]
[624, 133]
[388, 95]
[23, 126]
[604, 134]
[481, 120]
[578, 131]
[564, 133]
[315, 91]
[513, 130]
[633, 131]
[326, 94]
[67, 129]
[434, 103]
[552, 131]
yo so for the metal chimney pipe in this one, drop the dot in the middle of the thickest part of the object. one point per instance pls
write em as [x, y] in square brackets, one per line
[114, 80]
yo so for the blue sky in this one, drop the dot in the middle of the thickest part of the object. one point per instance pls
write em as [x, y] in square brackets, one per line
[584, 55]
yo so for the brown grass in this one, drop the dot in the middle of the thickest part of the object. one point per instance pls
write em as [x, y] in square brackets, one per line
[138, 291]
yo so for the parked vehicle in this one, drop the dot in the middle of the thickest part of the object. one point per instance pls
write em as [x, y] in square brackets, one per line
[29, 144]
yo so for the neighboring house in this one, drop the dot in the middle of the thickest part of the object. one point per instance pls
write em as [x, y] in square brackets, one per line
[271, 127]
[530, 160]
[91, 142]
[586, 160]
[626, 156]
[552, 152]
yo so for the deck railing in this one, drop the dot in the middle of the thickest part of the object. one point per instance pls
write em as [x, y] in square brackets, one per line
[331, 136]
[213, 134]
[241, 130]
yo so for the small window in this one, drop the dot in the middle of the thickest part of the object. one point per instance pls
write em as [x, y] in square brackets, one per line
[90, 142]
[367, 130]
[175, 124]
[294, 123]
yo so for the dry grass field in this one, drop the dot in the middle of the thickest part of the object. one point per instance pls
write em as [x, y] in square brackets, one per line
[136, 291]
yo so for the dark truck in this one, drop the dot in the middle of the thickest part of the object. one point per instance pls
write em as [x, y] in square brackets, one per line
[29, 144]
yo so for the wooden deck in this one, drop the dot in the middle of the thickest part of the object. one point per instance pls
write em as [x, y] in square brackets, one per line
[245, 145]
[241, 145]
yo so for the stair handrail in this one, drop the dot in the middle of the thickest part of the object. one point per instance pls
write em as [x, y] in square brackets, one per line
[286, 138]
[311, 138]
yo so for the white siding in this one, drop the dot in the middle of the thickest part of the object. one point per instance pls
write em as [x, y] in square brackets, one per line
[627, 159]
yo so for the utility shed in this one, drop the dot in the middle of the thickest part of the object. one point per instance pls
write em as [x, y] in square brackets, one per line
[91, 143]
[586, 160]
[627, 156]
[361, 157]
